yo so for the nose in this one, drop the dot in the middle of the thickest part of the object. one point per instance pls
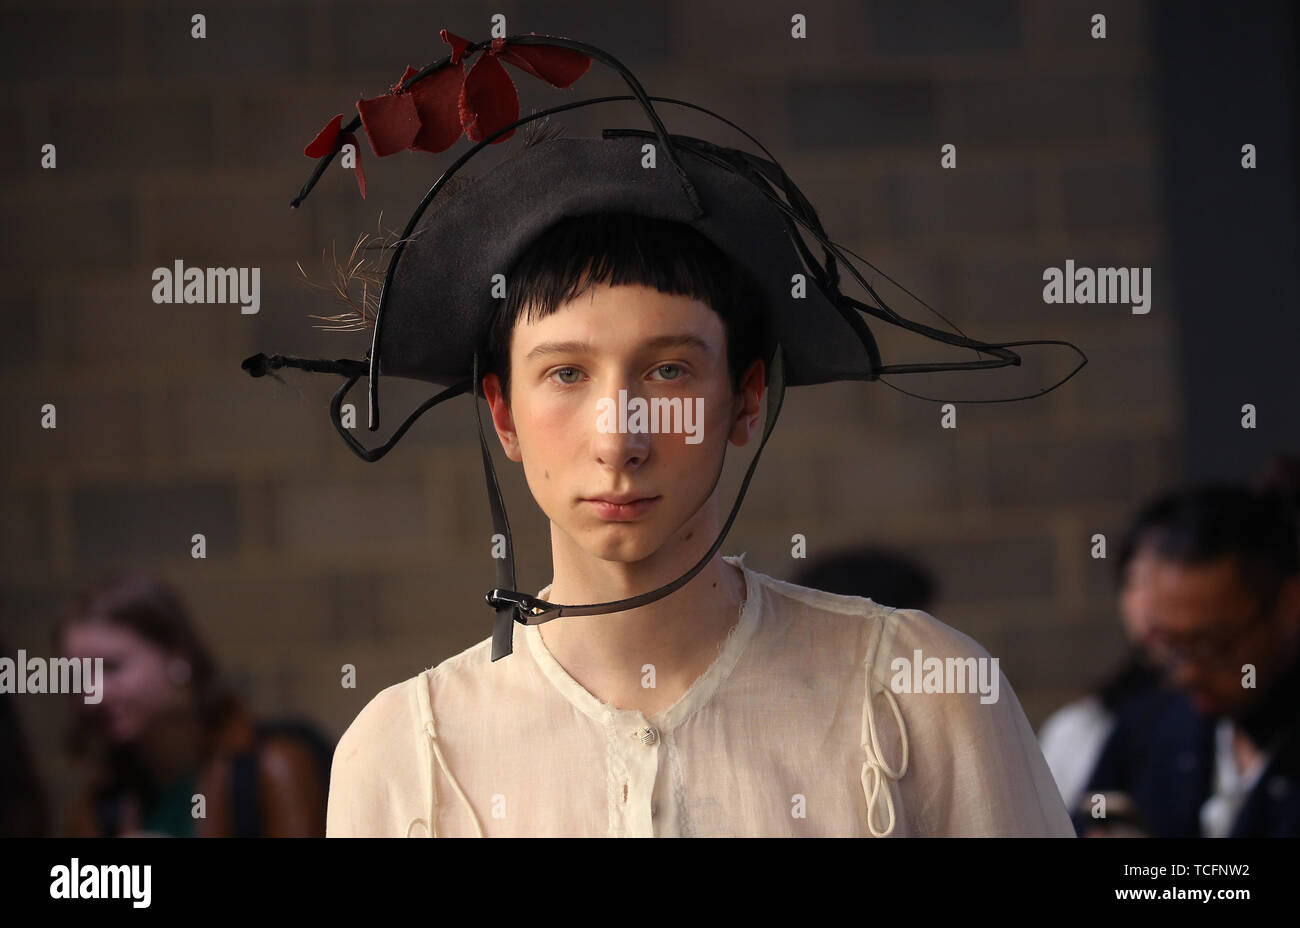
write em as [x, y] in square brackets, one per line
[614, 444]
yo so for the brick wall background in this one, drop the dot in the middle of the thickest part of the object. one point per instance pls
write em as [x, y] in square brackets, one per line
[170, 147]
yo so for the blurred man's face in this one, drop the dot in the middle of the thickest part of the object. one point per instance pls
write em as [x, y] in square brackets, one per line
[621, 495]
[1204, 626]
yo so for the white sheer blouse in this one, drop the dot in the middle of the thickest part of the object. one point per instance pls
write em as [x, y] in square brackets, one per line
[778, 738]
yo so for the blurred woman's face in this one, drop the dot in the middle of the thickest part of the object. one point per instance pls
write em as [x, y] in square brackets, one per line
[136, 685]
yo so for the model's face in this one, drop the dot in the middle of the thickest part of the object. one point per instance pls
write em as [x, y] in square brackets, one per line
[136, 687]
[1203, 626]
[654, 346]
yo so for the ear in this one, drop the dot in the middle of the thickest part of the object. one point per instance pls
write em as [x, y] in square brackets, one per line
[502, 419]
[748, 403]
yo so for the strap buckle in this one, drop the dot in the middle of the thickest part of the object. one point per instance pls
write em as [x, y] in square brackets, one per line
[527, 610]
[521, 601]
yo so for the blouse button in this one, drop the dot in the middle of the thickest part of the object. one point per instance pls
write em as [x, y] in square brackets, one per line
[648, 735]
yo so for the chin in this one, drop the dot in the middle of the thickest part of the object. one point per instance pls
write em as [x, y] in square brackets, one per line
[623, 550]
[620, 542]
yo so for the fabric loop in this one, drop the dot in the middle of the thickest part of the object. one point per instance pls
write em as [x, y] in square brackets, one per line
[874, 767]
[435, 757]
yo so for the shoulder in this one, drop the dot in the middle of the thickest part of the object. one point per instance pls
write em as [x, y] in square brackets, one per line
[468, 667]
[401, 711]
[811, 613]
[941, 675]
[907, 631]
[939, 710]
[378, 771]
[376, 737]
[826, 627]
[380, 778]
[886, 631]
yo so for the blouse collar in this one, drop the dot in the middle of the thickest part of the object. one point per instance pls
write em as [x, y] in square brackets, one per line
[697, 695]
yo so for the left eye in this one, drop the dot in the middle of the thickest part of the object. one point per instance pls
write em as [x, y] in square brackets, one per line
[670, 367]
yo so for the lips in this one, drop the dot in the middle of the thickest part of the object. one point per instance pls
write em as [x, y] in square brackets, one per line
[623, 507]
[620, 499]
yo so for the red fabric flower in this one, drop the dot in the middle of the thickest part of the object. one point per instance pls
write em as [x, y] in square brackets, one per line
[432, 113]
[330, 139]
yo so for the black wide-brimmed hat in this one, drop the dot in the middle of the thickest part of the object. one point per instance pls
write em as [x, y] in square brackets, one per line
[438, 300]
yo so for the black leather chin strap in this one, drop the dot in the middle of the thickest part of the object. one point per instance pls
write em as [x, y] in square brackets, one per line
[512, 606]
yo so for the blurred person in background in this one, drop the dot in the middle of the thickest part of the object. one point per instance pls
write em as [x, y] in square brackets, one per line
[885, 577]
[1072, 738]
[1219, 754]
[168, 729]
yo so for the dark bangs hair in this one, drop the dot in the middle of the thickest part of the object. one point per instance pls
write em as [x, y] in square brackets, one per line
[578, 252]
